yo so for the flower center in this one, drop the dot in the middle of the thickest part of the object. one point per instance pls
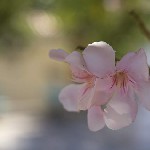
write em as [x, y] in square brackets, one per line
[121, 79]
[82, 76]
[91, 81]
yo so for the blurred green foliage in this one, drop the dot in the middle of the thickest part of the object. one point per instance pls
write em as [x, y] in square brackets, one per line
[12, 25]
[86, 21]
[82, 21]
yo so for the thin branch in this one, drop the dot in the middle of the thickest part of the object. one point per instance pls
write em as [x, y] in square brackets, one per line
[141, 24]
[80, 47]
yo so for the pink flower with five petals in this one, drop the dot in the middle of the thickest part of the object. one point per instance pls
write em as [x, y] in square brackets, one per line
[97, 77]
[126, 82]
[82, 94]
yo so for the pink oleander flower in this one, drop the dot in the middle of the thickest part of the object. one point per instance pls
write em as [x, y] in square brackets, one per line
[127, 83]
[83, 93]
[100, 87]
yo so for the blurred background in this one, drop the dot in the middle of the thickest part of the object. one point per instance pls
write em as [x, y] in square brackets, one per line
[31, 118]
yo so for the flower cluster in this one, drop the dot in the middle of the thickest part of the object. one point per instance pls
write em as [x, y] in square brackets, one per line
[109, 90]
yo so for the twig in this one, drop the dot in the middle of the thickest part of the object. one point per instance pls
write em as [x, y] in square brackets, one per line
[141, 24]
[80, 47]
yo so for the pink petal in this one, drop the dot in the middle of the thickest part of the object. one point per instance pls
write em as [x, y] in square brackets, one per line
[79, 75]
[85, 101]
[95, 118]
[78, 67]
[143, 94]
[92, 97]
[99, 58]
[115, 120]
[58, 54]
[148, 57]
[124, 103]
[70, 95]
[136, 65]
[100, 98]
[133, 105]
[76, 59]
[76, 97]
[119, 102]
[104, 84]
